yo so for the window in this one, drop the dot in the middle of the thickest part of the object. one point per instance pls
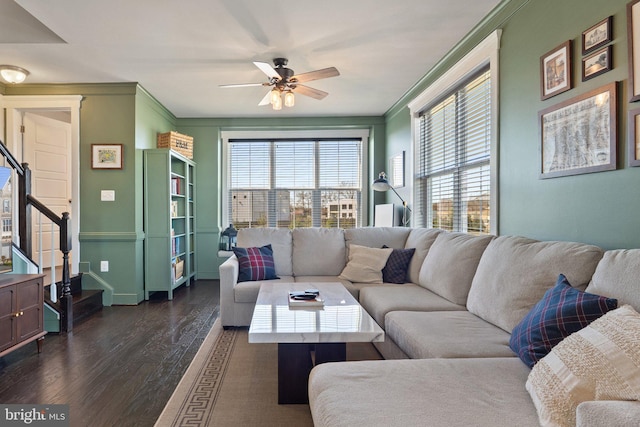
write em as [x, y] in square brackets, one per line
[455, 145]
[453, 182]
[6, 225]
[301, 182]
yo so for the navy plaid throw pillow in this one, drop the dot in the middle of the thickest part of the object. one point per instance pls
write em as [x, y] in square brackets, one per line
[255, 263]
[395, 271]
[562, 311]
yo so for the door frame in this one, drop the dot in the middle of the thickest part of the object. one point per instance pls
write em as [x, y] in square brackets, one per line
[14, 106]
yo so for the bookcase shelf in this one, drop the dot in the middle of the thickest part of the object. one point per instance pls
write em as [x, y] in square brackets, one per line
[169, 221]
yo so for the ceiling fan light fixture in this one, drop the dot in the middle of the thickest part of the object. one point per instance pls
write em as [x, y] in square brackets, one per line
[289, 99]
[277, 105]
[275, 96]
[13, 74]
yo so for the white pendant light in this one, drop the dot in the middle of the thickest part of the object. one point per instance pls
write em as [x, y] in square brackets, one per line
[275, 96]
[13, 74]
[277, 105]
[289, 99]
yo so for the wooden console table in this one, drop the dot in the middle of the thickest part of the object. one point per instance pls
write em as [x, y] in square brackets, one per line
[21, 311]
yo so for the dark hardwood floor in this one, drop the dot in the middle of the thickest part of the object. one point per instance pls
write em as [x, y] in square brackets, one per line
[119, 367]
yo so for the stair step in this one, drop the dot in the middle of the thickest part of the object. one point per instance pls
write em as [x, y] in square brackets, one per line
[86, 303]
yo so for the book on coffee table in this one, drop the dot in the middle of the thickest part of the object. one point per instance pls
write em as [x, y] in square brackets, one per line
[300, 299]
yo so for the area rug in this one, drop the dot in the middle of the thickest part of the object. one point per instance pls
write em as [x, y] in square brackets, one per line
[233, 383]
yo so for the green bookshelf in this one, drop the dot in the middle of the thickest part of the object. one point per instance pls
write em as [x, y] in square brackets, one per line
[169, 221]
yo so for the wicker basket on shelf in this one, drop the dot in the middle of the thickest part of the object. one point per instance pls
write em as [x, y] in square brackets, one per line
[183, 144]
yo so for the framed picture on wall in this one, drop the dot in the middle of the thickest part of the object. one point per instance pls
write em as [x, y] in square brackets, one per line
[597, 63]
[634, 137]
[106, 156]
[555, 71]
[633, 43]
[579, 135]
[596, 36]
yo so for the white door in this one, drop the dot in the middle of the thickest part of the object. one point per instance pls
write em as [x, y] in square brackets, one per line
[47, 150]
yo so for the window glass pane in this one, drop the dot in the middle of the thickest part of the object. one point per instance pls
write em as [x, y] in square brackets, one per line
[441, 200]
[249, 165]
[340, 165]
[294, 164]
[249, 208]
[475, 200]
[340, 208]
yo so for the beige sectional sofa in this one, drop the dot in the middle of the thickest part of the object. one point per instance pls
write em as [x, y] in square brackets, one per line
[451, 322]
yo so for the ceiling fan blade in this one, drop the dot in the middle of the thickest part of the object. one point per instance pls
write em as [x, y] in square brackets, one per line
[244, 85]
[266, 100]
[309, 91]
[268, 70]
[316, 75]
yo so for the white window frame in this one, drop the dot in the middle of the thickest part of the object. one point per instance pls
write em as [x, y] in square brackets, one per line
[486, 52]
[227, 135]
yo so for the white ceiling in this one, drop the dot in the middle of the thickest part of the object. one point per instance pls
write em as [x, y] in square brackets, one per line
[180, 51]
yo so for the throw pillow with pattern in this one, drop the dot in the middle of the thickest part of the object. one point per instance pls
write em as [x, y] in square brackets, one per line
[397, 268]
[255, 263]
[562, 311]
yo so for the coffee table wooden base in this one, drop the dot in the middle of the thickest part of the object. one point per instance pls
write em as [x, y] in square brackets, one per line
[295, 361]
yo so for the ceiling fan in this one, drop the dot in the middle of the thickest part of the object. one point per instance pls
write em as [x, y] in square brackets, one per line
[286, 83]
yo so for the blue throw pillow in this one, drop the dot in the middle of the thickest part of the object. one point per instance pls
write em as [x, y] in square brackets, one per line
[255, 263]
[562, 311]
[396, 269]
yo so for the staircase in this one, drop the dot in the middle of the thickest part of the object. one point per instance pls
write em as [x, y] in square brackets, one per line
[84, 302]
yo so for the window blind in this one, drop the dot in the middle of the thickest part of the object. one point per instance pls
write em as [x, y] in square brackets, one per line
[454, 165]
[295, 183]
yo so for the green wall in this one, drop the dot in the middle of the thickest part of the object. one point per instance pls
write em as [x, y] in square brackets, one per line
[599, 208]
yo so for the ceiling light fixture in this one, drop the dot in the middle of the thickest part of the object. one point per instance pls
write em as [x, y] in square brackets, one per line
[13, 74]
[289, 99]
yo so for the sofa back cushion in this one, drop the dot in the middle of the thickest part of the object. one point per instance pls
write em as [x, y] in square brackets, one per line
[421, 239]
[451, 263]
[278, 238]
[515, 272]
[318, 251]
[617, 276]
[376, 237]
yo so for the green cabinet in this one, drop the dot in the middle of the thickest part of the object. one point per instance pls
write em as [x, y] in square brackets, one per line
[169, 221]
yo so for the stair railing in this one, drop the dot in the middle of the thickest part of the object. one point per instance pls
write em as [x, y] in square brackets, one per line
[25, 202]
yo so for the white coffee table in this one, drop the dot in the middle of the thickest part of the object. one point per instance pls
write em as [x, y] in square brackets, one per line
[304, 332]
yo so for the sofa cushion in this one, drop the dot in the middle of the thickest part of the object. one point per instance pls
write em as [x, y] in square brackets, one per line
[447, 334]
[428, 392]
[515, 272]
[616, 276]
[562, 311]
[599, 362]
[247, 292]
[381, 299]
[278, 238]
[375, 237]
[451, 263]
[318, 251]
[365, 264]
[397, 267]
[255, 263]
[421, 239]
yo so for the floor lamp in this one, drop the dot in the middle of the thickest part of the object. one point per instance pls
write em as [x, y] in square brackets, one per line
[382, 184]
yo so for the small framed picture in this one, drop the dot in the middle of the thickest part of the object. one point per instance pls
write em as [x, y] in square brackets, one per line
[396, 169]
[634, 137]
[596, 36]
[597, 63]
[106, 156]
[555, 71]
